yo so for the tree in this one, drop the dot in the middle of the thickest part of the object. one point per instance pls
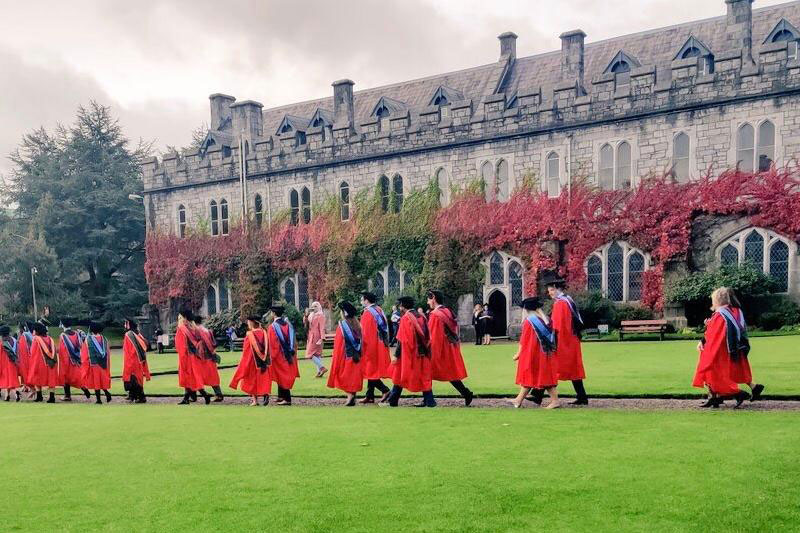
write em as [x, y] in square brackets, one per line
[71, 189]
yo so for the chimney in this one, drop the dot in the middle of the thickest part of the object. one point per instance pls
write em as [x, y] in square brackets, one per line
[343, 102]
[739, 27]
[572, 56]
[508, 44]
[246, 116]
[220, 109]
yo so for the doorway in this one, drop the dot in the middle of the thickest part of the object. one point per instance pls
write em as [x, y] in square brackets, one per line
[497, 305]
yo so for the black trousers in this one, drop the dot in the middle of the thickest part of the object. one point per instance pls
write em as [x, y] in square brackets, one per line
[461, 388]
[373, 384]
[285, 394]
[397, 392]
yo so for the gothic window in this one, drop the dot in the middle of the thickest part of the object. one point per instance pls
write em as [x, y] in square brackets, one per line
[393, 277]
[379, 284]
[294, 206]
[223, 209]
[181, 221]
[623, 167]
[680, 157]
[553, 175]
[344, 200]
[594, 274]
[214, 218]
[288, 291]
[302, 291]
[408, 279]
[305, 197]
[496, 275]
[620, 67]
[397, 183]
[224, 299]
[211, 300]
[614, 170]
[515, 283]
[502, 181]
[616, 270]
[258, 210]
[606, 172]
[383, 185]
[766, 145]
[635, 272]
[616, 273]
[762, 249]
[443, 185]
[745, 142]
[487, 174]
[391, 280]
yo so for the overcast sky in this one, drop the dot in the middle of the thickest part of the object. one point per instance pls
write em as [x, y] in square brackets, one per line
[156, 62]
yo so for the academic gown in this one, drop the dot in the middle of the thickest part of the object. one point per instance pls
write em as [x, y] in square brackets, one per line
[189, 376]
[345, 373]
[535, 369]
[132, 366]
[40, 373]
[9, 369]
[568, 349]
[446, 359]
[71, 369]
[24, 353]
[283, 372]
[249, 378]
[208, 365]
[375, 360]
[413, 371]
[96, 377]
[740, 367]
[714, 366]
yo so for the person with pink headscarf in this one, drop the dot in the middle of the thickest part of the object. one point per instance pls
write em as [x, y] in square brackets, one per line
[316, 333]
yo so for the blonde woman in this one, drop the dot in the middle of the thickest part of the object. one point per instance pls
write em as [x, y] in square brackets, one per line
[316, 333]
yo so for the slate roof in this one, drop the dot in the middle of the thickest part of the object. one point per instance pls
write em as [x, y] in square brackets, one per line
[651, 48]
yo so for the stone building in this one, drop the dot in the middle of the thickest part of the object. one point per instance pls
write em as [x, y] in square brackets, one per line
[709, 93]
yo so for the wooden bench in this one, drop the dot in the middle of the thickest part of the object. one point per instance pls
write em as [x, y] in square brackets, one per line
[327, 340]
[643, 326]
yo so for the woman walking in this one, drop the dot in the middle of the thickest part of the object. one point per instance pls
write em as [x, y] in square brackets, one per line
[536, 364]
[96, 360]
[253, 375]
[316, 334]
[346, 374]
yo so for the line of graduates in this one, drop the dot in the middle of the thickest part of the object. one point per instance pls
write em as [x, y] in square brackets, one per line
[197, 359]
[32, 362]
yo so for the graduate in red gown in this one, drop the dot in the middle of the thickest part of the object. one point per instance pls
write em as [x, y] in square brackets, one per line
[375, 358]
[567, 323]
[24, 343]
[536, 362]
[210, 360]
[411, 363]
[346, 372]
[446, 359]
[253, 374]
[43, 371]
[722, 344]
[96, 361]
[135, 370]
[190, 347]
[9, 364]
[740, 366]
[283, 353]
[69, 355]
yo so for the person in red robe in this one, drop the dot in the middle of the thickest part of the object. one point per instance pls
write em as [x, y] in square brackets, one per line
[135, 370]
[24, 343]
[96, 362]
[536, 363]
[9, 364]
[283, 353]
[346, 372]
[740, 366]
[253, 374]
[189, 346]
[69, 355]
[723, 342]
[375, 340]
[446, 358]
[411, 362]
[567, 323]
[210, 360]
[43, 371]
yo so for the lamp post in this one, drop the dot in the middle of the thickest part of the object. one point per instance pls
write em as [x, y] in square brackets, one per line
[33, 290]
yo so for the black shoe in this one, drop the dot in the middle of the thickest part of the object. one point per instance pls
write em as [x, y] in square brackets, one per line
[18, 396]
[535, 399]
[468, 398]
[579, 401]
[366, 399]
[219, 398]
[51, 398]
[108, 396]
[66, 399]
[712, 402]
[266, 401]
[185, 401]
[141, 399]
[206, 396]
[87, 393]
[193, 396]
[757, 390]
[740, 397]
[351, 403]
[39, 397]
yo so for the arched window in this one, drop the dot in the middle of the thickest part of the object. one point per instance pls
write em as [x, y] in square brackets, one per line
[553, 175]
[302, 291]
[496, 275]
[223, 209]
[288, 291]
[294, 205]
[344, 200]
[443, 185]
[622, 73]
[391, 280]
[616, 272]
[383, 185]
[766, 145]
[408, 280]
[181, 221]
[393, 277]
[515, 283]
[214, 218]
[692, 51]
[487, 175]
[729, 255]
[211, 300]
[620, 67]
[622, 179]
[754, 250]
[680, 157]
[635, 272]
[258, 210]
[594, 274]
[397, 182]
[305, 197]
[779, 265]
[379, 284]
[606, 170]
[224, 298]
[503, 187]
[783, 35]
[745, 143]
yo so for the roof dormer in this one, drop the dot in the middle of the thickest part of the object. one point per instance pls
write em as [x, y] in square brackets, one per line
[321, 118]
[693, 47]
[445, 96]
[387, 107]
[622, 63]
[783, 31]
[291, 124]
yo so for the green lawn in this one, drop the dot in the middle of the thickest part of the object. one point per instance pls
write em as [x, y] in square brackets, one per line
[168, 468]
[627, 368]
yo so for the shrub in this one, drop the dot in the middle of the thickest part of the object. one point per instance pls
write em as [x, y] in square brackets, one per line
[295, 316]
[771, 312]
[220, 322]
[595, 309]
[631, 312]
